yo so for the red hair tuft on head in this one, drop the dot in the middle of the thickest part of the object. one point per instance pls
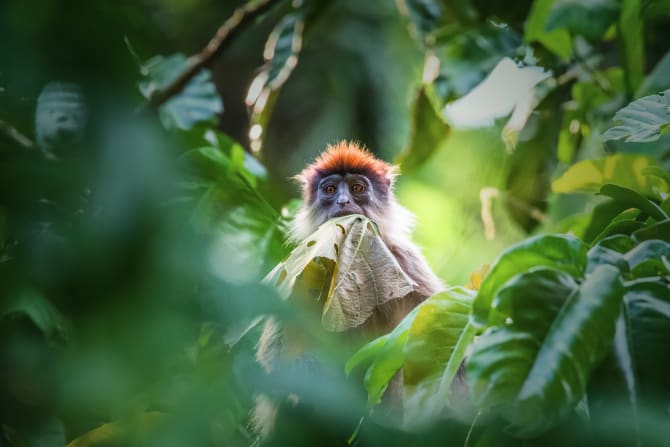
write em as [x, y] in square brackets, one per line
[346, 157]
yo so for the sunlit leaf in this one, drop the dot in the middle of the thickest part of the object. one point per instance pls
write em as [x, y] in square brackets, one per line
[429, 344]
[383, 357]
[622, 169]
[561, 252]
[427, 134]
[198, 102]
[355, 272]
[642, 120]
[436, 345]
[507, 88]
[119, 431]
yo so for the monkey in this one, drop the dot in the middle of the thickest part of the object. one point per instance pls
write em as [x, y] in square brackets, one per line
[347, 179]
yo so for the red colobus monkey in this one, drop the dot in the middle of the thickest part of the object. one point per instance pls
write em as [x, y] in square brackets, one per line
[347, 179]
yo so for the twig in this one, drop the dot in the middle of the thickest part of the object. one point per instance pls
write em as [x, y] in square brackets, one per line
[224, 35]
[15, 136]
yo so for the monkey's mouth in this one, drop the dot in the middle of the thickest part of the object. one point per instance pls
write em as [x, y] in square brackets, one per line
[343, 212]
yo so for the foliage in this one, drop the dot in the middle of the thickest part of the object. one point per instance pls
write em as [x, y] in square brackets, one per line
[134, 236]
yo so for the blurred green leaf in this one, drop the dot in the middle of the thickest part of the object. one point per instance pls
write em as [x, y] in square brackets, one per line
[592, 101]
[561, 252]
[468, 57]
[30, 303]
[555, 345]
[625, 170]
[557, 41]
[643, 120]
[425, 16]
[198, 102]
[659, 172]
[588, 18]
[632, 37]
[427, 133]
[656, 81]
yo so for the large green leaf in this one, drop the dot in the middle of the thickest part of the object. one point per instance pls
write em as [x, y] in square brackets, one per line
[345, 267]
[588, 18]
[659, 230]
[622, 169]
[531, 301]
[633, 199]
[624, 224]
[436, 344]
[648, 304]
[430, 345]
[383, 356]
[642, 120]
[534, 365]
[428, 132]
[649, 258]
[561, 252]
[615, 380]
[198, 102]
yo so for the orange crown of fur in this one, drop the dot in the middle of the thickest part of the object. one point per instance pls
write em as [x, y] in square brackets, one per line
[346, 157]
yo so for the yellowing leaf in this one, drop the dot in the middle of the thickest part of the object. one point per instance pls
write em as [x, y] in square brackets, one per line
[346, 268]
[478, 276]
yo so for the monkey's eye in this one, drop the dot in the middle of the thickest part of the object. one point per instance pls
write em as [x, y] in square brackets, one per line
[329, 189]
[357, 188]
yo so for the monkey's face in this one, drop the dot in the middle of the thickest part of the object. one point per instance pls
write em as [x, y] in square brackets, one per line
[340, 195]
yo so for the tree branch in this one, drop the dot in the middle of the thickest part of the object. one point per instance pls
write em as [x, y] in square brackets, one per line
[224, 35]
[12, 134]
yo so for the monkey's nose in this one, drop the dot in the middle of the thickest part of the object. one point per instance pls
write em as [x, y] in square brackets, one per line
[342, 200]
